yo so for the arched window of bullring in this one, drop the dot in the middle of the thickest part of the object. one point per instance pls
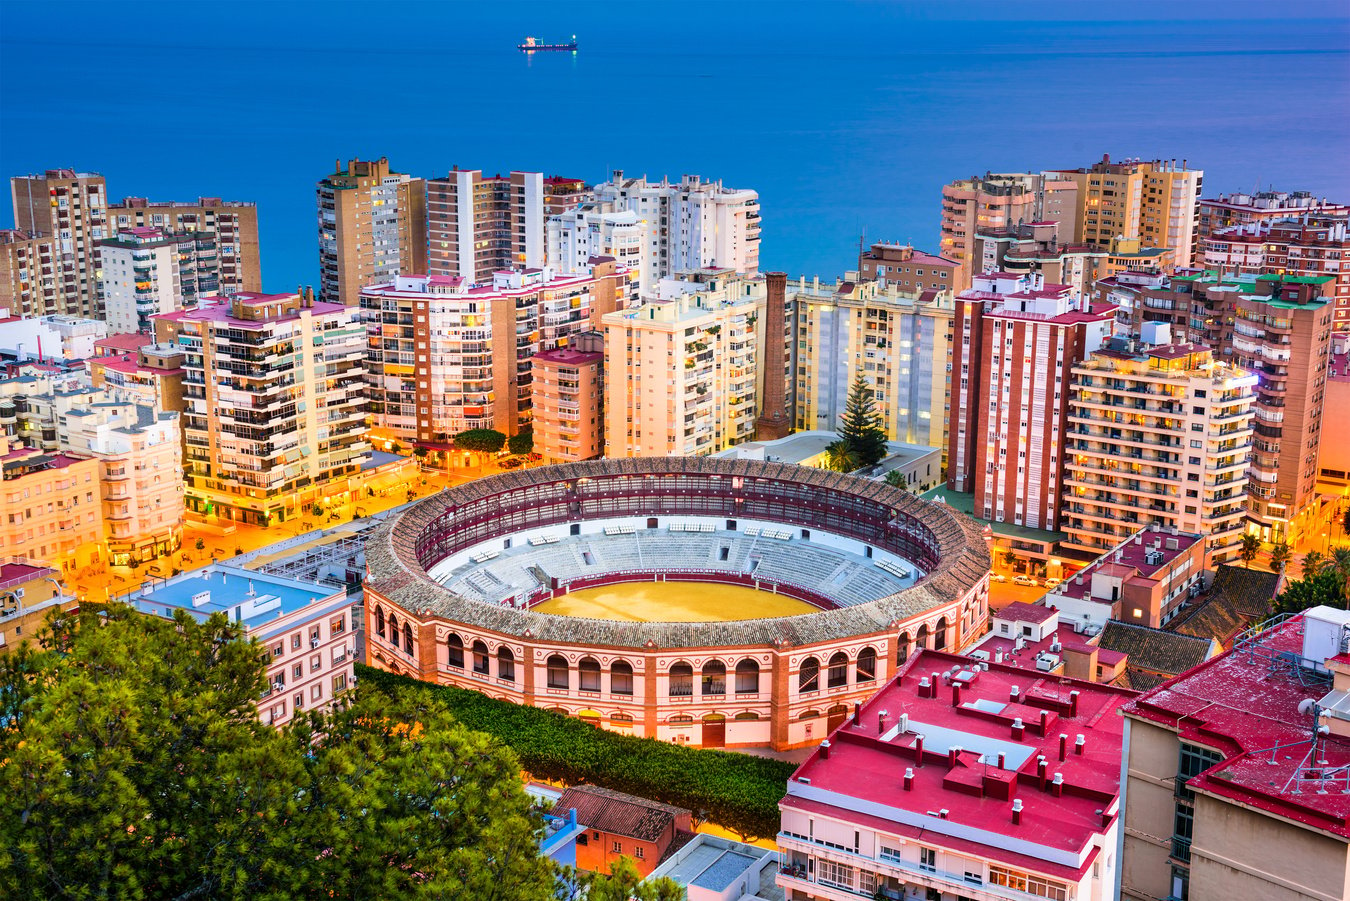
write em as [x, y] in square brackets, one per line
[621, 719]
[681, 719]
[838, 670]
[747, 716]
[747, 677]
[506, 664]
[557, 672]
[407, 638]
[393, 630]
[808, 679]
[921, 637]
[480, 658]
[454, 647]
[940, 635]
[903, 644]
[714, 680]
[379, 621]
[621, 678]
[589, 670]
[808, 714]
[681, 680]
[867, 664]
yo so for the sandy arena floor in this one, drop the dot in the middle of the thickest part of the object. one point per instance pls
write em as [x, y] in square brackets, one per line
[674, 602]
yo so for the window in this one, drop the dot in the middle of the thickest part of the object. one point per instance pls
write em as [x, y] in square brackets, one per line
[337, 626]
[557, 672]
[379, 621]
[838, 675]
[681, 680]
[639, 852]
[1025, 882]
[295, 642]
[808, 679]
[621, 678]
[407, 638]
[928, 859]
[867, 665]
[506, 664]
[589, 670]
[618, 847]
[835, 874]
[480, 658]
[298, 671]
[714, 680]
[393, 630]
[747, 677]
[454, 646]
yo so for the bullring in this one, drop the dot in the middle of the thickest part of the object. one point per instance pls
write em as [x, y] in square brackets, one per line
[906, 573]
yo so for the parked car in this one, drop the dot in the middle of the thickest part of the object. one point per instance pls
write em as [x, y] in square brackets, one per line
[1053, 583]
[1025, 580]
[510, 463]
[997, 577]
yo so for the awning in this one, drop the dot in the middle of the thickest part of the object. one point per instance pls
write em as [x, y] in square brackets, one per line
[386, 481]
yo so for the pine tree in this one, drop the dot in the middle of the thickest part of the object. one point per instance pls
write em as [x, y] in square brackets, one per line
[860, 427]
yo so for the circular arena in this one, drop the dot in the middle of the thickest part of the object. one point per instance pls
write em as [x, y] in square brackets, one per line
[706, 601]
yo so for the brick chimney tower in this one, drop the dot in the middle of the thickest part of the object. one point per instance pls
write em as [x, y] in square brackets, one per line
[774, 421]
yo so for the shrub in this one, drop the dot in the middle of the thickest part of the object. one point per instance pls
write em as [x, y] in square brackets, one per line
[736, 791]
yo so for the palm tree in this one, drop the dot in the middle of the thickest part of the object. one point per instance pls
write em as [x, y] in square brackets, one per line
[1279, 555]
[840, 457]
[1340, 561]
[1251, 546]
[1313, 563]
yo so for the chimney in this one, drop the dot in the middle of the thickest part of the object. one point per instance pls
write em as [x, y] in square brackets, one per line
[881, 722]
[1040, 772]
[1073, 704]
[923, 687]
[956, 694]
[1017, 812]
[918, 750]
[1057, 785]
[942, 814]
[857, 713]
[1001, 759]
[1045, 721]
[774, 421]
[1017, 729]
[909, 778]
[933, 680]
[1063, 744]
[1014, 694]
[825, 749]
[1079, 744]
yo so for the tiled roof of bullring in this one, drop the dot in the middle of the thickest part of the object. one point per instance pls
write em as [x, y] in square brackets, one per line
[396, 574]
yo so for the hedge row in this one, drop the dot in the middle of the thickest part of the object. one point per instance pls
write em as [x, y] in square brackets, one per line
[739, 792]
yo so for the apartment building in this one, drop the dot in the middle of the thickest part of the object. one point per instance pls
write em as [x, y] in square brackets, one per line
[306, 627]
[276, 404]
[446, 355]
[903, 267]
[50, 506]
[372, 227]
[682, 372]
[1005, 201]
[72, 209]
[1236, 771]
[961, 780]
[1015, 342]
[898, 339]
[562, 194]
[1144, 580]
[56, 338]
[147, 271]
[567, 394]
[28, 594]
[232, 223]
[1159, 432]
[594, 229]
[152, 375]
[688, 225]
[477, 226]
[1035, 247]
[1282, 332]
[28, 280]
[1152, 201]
[1216, 214]
[623, 825]
[138, 449]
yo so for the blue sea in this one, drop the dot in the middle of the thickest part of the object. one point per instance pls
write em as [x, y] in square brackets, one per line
[846, 117]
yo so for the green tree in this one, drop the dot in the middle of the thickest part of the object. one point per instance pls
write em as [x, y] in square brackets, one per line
[1009, 559]
[521, 443]
[1279, 555]
[860, 426]
[136, 767]
[1345, 522]
[896, 479]
[1340, 562]
[420, 452]
[1323, 588]
[839, 457]
[1313, 563]
[200, 545]
[1248, 549]
[621, 884]
[483, 441]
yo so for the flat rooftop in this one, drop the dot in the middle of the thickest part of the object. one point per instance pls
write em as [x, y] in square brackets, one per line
[1130, 562]
[964, 502]
[973, 750]
[253, 598]
[1245, 703]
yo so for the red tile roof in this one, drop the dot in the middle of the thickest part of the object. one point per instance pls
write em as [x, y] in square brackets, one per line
[617, 813]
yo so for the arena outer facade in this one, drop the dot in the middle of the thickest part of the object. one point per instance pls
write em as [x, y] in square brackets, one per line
[782, 682]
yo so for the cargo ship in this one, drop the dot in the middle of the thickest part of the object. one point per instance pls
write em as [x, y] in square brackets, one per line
[531, 45]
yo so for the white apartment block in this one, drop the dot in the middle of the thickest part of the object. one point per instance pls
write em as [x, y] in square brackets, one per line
[1157, 435]
[592, 230]
[689, 225]
[682, 374]
[900, 341]
[56, 337]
